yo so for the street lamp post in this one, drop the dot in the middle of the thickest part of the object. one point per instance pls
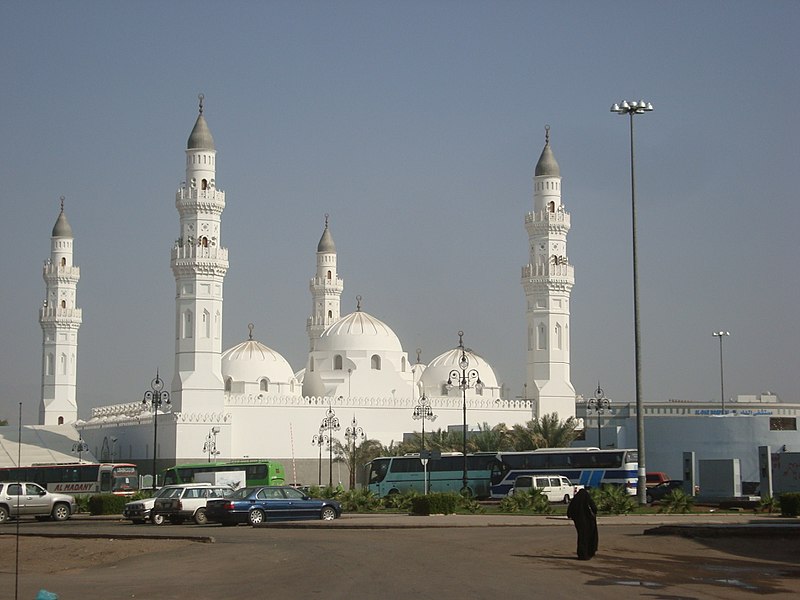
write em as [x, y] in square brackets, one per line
[464, 378]
[211, 444]
[598, 404]
[330, 424]
[424, 412]
[319, 440]
[636, 108]
[720, 335]
[351, 434]
[155, 398]
[80, 447]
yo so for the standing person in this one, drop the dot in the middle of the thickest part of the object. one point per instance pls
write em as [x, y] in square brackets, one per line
[583, 512]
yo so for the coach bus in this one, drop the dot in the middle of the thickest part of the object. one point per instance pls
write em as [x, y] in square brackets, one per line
[257, 472]
[397, 474]
[590, 467]
[121, 479]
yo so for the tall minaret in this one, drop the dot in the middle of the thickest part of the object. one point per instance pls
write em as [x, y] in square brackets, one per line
[60, 319]
[548, 279]
[199, 263]
[326, 288]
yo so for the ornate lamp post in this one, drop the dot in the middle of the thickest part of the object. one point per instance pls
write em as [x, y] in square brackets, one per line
[599, 404]
[720, 335]
[636, 108]
[424, 412]
[319, 440]
[80, 447]
[330, 424]
[211, 444]
[351, 434]
[155, 398]
[464, 378]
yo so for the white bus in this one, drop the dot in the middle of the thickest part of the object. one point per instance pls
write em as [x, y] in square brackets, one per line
[589, 467]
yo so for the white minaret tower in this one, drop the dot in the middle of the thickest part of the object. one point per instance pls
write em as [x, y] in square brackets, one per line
[548, 279]
[199, 263]
[60, 319]
[326, 289]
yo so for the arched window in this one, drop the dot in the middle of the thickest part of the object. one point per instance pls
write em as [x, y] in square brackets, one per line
[206, 324]
[330, 275]
[186, 325]
[558, 336]
[330, 314]
[263, 385]
[204, 184]
[63, 262]
[60, 420]
[551, 206]
[62, 364]
[311, 364]
[63, 304]
[542, 341]
[49, 364]
[375, 362]
[337, 362]
[403, 364]
[228, 384]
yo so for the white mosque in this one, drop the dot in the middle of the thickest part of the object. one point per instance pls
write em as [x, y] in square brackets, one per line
[249, 400]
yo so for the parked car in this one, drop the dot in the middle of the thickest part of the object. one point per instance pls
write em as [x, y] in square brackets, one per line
[657, 493]
[19, 499]
[655, 478]
[557, 488]
[256, 505]
[187, 502]
[139, 511]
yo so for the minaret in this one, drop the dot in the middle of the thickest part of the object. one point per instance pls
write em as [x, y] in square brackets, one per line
[548, 279]
[199, 263]
[326, 288]
[60, 319]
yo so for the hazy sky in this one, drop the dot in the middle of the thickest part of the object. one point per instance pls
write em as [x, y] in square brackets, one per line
[416, 126]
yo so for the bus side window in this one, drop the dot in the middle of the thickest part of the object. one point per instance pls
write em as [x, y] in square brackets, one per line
[105, 481]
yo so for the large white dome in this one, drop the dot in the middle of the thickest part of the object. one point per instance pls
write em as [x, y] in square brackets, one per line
[439, 368]
[251, 361]
[358, 331]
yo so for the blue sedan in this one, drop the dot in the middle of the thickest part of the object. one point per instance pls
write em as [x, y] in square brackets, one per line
[256, 505]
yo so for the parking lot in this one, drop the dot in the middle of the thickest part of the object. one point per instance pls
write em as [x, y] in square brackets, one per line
[393, 556]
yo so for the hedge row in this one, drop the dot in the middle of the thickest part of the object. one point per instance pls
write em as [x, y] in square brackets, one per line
[790, 504]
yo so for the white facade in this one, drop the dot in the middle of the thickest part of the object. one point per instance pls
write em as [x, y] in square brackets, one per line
[60, 319]
[548, 279]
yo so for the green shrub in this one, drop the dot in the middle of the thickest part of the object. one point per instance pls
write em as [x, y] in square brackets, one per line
[676, 502]
[107, 504]
[358, 500]
[399, 501]
[534, 501]
[437, 504]
[469, 504]
[613, 499]
[790, 504]
[767, 504]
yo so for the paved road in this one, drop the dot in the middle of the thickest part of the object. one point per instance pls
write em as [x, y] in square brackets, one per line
[445, 558]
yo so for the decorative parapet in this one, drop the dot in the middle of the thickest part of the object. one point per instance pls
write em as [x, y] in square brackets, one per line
[560, 216]
[547, 270]
[236, 400]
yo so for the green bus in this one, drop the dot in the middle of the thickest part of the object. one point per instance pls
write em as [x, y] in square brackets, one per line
[257, 472]
[397, 474]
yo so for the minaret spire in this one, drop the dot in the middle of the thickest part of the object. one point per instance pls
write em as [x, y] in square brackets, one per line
[548, 279]
[60, 319]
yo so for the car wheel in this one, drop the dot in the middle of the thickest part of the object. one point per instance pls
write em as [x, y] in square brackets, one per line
[3, 514]
[200, 516]
[327, 514]
[648, 498]
[157, 519]
[60, 512]
[256, 516]
[566, 498]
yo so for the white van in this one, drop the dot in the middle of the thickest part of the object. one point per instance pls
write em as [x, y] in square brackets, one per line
[557, 488]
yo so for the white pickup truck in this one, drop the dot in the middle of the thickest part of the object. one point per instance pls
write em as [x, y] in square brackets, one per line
[557, 488]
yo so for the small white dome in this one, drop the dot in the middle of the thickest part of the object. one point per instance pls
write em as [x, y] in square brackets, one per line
[358, 331]
[252, 361]
[439, 368]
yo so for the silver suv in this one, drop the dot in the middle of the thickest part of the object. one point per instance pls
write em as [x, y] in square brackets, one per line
[19, 499]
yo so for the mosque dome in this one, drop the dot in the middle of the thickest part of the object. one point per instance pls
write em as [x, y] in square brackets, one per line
[251, 361]
[438, 370]
[358, 331]
[547, 165]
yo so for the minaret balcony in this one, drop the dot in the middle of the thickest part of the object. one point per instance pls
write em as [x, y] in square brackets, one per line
[329, 284]
[559, 216]
[196, 252]
[53, 270]
[56, 313]
[548, 270]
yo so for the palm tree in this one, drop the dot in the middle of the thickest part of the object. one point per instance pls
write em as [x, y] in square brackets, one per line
[444, 441]
[553, 433]
[488, 439]
[356, 456]
[522, 437]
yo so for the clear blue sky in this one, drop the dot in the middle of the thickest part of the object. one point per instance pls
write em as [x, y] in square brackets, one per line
[416, 126]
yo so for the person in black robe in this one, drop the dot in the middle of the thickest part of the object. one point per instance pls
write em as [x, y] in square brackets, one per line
[583, 512]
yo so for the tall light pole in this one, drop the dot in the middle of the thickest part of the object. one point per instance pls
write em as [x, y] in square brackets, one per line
[423, 412]
[211, 444]
[155, 398]
[80, 447]
[636, 108]
[319, 440]
[720, 335]
[351, 434]
[464, 378]
[331, 424]
[598, 404]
